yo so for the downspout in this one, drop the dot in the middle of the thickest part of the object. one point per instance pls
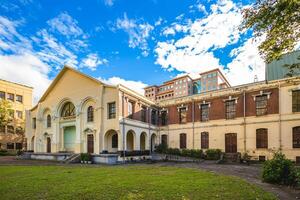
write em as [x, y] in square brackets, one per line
[245, 134]
[193, 118]
[149, 132]
[102, 117]
[279, 108]
[123, 127]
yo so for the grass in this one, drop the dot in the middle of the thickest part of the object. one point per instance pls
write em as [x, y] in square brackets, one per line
[121, 182]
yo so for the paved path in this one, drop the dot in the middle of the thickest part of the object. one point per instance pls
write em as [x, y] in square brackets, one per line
[249, 173]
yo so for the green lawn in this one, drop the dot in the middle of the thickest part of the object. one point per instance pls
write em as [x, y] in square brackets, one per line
[121, 182]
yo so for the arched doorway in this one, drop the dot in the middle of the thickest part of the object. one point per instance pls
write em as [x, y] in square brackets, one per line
[143, 142]
[48, 145]
[68, 114]
[130, 140]
[90, 143]
[111, 141]
[153, 142]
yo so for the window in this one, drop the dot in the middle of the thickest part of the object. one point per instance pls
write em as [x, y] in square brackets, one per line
[261, 138]
[18, 146]
[11, 113]
[261, 105]
[296, 100]
[2, 129]
[10, 96]
[90, 114]
[19, 114]
[48, 121]
[182, 139]
[164, 140]
[204, 140]
[10, 146]
[2, 95]
[111, 110]
[143, 113]
[153, 117]
[19, 98]
[114, 141]
[182, 115]
[10, 129]
[130, 109]
[19, 130]
[34, 123]
[230, 109]
[68, 110]
[204, 112]
[296, 137]
[163, 117]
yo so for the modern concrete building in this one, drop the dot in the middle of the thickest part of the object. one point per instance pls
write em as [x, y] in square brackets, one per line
[185, 86]
[81, 114]
[20, 98]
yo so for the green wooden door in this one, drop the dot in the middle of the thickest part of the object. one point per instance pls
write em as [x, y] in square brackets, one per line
[69, 138]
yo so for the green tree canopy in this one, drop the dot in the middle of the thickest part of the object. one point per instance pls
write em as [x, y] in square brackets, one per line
[278, 21]
[5, 112]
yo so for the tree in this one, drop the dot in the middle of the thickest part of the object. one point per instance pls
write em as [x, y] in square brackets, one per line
[5, 112]
[278, 21]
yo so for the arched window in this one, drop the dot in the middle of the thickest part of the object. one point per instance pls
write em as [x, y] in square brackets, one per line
[182, 139]
[48, 121]
[90, 114]
[68, 110]
[296, 137]
[114, 141]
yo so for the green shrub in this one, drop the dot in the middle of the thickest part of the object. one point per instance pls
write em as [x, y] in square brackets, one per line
[85, 157]
[161, 148]
[213, 154]
[196, 153]
[3, 152]
[186, 152]
[298, 177]
[279, 170]
[173, 151]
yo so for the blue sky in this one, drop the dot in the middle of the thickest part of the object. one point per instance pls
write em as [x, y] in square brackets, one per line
[132, 42]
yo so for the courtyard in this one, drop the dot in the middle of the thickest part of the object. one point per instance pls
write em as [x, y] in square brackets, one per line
[27, 179]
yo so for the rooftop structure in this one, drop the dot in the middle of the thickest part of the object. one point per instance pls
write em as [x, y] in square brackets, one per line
[185, 86]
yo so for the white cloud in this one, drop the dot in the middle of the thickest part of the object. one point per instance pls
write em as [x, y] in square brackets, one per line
[10, 39]
[247, 63]
[202, 8]
[158, 22]
[137, 86]
[169, 31]
[138, 33]
[109, 2]
[65, 25]
[194, 52]
[92, 61]
[29, 59]
[26, 69]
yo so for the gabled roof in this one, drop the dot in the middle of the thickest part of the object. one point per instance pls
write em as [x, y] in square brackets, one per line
[58, 77]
